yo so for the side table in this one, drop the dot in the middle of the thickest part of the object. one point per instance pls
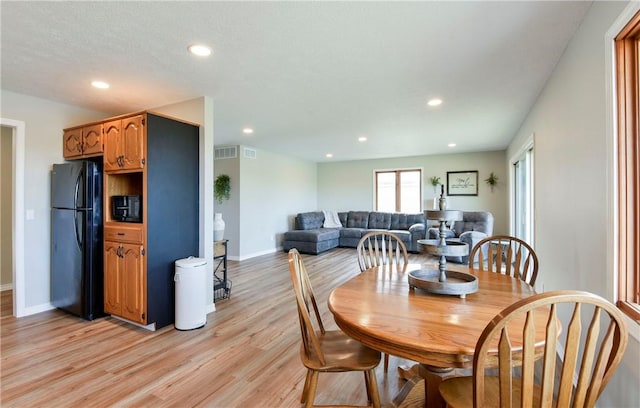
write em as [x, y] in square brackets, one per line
[221, 283]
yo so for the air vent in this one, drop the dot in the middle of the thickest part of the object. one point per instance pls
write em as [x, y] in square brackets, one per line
[249, 153]
[229, 152]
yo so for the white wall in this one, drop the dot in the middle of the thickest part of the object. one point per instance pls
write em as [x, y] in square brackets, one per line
[230, 209]
[350, 185]
[266, 193]
[572, 173]
[44, 121]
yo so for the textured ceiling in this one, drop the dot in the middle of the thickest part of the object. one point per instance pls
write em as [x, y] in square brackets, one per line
[309, 77]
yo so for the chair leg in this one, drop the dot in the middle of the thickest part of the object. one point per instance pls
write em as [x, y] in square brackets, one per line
[305, 390]
[373, 388]
[386, 362]
[366, 383]
[311, 392]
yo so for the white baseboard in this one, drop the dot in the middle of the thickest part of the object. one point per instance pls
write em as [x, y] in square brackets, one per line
[211, 308]
[253, 255]
[6, 286]
[150, 327]
[31, 310]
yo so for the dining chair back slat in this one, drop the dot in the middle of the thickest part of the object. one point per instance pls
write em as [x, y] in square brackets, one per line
[520, 349]
[377, 248]
[505, 254]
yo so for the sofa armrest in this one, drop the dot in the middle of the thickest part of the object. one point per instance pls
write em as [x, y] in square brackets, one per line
[471, 238]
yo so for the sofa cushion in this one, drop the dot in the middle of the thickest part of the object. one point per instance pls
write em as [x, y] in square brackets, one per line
[316, 235]
[404, 235]
[353, 232]
[474, 221]
[379, 220]
[309, 220]
[358, 219]
[401, 221]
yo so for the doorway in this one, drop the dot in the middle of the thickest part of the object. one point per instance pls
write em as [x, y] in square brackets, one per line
[15, 130]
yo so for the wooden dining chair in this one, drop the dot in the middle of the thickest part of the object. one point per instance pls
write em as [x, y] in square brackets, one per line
[590, 357]
[377, 248]
[507, 255]
[326, 351]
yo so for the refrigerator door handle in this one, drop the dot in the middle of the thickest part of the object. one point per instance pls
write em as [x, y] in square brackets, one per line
[75, 194]
[78, 234]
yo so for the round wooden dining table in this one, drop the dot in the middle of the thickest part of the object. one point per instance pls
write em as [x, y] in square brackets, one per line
[379, 309]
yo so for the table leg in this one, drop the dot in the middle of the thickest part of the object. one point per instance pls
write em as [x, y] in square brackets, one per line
[433, 376]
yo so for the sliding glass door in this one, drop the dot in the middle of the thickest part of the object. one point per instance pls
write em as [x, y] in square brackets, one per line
[523, 196]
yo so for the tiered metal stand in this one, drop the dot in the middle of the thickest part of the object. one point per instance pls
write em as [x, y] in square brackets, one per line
[442, 281]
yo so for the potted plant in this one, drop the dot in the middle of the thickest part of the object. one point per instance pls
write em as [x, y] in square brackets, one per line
[492, 181]
[221, 191]
[435, 182]
[222, 188]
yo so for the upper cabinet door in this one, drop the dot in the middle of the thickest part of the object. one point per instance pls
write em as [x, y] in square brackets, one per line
[92, 140]
[72, 143]
[124, 144]
[133, 143]
[111, 143]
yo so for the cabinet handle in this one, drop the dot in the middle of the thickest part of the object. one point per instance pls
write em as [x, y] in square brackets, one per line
[121, 234]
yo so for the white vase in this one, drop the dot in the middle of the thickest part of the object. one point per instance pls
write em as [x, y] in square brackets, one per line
[218, 227]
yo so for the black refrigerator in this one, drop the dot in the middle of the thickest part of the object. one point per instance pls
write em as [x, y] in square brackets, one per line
[76, 238]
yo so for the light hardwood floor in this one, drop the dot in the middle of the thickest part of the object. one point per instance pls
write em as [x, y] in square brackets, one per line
[245, 356]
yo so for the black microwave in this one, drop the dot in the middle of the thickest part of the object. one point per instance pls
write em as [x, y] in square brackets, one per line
[126, 208]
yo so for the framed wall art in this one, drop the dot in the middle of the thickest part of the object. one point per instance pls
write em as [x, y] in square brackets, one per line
[462, 183]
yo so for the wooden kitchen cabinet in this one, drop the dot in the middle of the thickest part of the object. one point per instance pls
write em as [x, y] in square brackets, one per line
[156, 158]
[81, 142]
[124, 273]
[124, 144]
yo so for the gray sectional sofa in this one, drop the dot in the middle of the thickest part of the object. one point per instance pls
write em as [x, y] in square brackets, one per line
[311, 237]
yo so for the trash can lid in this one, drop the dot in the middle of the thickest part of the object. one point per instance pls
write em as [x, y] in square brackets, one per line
[190, 262]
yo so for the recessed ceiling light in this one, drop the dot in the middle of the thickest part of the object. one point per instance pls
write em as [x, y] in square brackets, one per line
[247, 131]
[451, 145]
[362, 139]
[100, 84]
[200, 50]
[329, 155]
[434, 102]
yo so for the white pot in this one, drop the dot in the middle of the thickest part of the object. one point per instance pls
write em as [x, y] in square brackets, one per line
[218, 227]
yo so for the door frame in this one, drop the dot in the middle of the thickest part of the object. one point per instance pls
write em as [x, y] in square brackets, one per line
[18, 152]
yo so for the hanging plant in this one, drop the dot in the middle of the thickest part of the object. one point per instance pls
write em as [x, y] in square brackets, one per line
[435, 182]
[492, 180]
[222, 188]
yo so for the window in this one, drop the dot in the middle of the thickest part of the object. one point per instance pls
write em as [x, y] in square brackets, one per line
[399, 191]
[627, 50]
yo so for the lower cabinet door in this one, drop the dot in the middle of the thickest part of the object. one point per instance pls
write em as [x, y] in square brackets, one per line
[112, 278]
[125, 286]
[133, 284]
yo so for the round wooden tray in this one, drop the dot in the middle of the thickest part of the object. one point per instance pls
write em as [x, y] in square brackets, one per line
[453, 248]
[457, 283]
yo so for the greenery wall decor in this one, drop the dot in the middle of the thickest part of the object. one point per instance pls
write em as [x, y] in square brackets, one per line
[492, 180]
[435, 182]
[222, 188]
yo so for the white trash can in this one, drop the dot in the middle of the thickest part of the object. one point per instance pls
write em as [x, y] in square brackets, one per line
[191, 293]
